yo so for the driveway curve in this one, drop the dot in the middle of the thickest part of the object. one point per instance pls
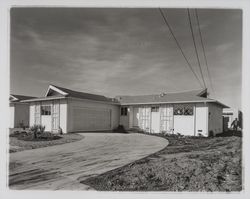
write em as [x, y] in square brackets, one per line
[60, 166]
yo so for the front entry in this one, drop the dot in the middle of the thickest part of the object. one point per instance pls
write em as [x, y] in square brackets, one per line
[46, 119]
[155, 120]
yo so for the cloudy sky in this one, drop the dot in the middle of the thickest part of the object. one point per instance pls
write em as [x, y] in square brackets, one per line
[123, 51]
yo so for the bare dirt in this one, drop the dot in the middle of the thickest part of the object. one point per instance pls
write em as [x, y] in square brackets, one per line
[186, 164]
[21, 145]
[64, 166]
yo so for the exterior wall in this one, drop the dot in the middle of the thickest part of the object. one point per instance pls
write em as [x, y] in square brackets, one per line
[62, 113]
[12, 116]
[215, 121]
[76, 104]
[135, 117]
[201, 119]
[19, 113]
[184, 124]
[32, 114]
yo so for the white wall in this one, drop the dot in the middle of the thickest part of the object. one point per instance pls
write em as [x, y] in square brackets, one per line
[184, 124]
[135, 117]
[201, 119]
[32, 114]
[63, 113]
[74, 104]
[215, 121]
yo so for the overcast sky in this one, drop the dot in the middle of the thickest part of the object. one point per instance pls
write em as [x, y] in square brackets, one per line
[123, 51]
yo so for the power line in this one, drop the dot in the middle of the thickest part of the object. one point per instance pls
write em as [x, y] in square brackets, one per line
[203, 48]
[195, 47]
[177, 43]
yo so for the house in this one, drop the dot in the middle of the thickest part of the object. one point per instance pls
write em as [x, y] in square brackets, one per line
[187, 113]
[19, 111]
[73, 111]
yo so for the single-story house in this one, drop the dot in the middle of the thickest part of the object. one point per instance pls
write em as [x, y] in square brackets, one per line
[19, 111]
[73, 111]
[187, 113]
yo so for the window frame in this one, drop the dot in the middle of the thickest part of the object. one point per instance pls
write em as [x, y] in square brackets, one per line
[185, 109]
[46, 110]
[124, 111]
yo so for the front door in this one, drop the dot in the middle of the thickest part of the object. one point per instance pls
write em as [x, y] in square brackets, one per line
[46, 119]
[155, 120]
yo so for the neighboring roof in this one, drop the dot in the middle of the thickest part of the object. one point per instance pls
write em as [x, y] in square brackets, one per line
[18, 98]
[181, 97]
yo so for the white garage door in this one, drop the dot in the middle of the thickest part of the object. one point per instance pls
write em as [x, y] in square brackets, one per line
[91, 119]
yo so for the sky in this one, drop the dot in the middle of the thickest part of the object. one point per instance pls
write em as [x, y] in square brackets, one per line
[124, 51]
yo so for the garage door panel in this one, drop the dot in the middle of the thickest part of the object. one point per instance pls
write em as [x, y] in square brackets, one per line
[91, 119]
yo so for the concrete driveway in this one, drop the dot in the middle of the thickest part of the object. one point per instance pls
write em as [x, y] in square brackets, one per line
[62, 166]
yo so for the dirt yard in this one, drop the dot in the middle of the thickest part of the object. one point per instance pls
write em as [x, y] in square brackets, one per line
[186, 164]
[21, 145]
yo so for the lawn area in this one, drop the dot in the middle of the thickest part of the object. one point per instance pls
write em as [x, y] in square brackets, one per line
[21, 145]
[186, 164]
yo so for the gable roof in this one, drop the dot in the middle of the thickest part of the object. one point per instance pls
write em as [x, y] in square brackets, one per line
[18, 98]
[181, 97]
[76, 94]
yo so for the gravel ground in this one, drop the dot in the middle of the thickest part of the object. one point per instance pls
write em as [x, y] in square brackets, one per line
[186, 164]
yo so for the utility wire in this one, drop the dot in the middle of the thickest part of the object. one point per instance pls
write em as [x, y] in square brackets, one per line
[203, 48]
[195, 47]
[177, 43]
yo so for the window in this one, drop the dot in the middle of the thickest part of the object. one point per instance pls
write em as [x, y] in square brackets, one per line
[124, 111]
[181, 109]
[178, 109]
[155, 109]
[45, 110]
[188, 110]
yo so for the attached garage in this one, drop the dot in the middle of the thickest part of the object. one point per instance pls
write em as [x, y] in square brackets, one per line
[73, 111]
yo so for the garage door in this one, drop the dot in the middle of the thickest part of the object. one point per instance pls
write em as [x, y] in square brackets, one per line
[91, 119]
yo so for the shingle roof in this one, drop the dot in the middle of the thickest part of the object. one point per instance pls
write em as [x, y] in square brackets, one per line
[181, 97]
[21, 97]
[83, 95]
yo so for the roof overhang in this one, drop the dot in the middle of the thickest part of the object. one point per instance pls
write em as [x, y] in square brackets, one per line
[177, 102]
[169, 102]
[44, 99]
[51, 87]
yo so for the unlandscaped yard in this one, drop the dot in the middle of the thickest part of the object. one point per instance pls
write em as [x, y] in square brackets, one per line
[186, 164]
[17, 144]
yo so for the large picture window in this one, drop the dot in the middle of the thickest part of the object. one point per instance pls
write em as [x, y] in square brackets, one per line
[45, 110]
[183, 109]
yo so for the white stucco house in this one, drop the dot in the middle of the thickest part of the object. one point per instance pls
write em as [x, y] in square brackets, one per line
[187, 113]
[19, 111]
[73, 111]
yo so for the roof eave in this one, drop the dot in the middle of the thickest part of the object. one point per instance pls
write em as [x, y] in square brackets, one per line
[169, 102]
[43, 99]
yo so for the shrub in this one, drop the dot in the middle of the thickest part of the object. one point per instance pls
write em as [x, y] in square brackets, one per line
[37, 129]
